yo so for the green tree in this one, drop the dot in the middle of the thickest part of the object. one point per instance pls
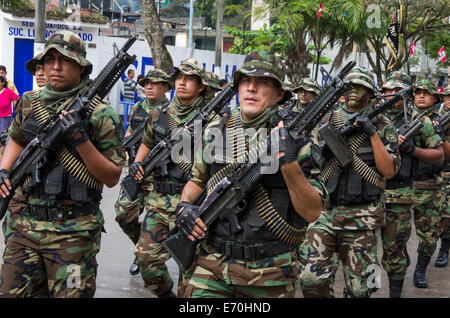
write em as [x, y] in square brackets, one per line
[435, 42]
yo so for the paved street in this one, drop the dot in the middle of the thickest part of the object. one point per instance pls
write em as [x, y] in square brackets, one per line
[116, 255]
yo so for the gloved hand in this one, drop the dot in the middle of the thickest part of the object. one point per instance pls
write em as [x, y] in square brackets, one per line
[185, 220]
[440, 131]
[407, 146]
[73, 128]
[366, 125]
[134, 168]
[289, 146]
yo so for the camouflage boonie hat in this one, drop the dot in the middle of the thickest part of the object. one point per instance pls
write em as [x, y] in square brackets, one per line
[156, 76]
[446, 91]
[397, 79]
[213, 80]
[308, 84]
[262, 63]
[361, 76]
[68, 44]
[190, 67]
[427, 85]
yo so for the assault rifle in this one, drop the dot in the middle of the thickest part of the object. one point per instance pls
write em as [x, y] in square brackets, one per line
[159, 156]
[410, 129]
[228, 196]
[335, 139]
[132, 142]
[34, 157]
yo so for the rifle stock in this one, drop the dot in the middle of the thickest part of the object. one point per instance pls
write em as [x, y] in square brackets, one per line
[226, 197]
[34, 155]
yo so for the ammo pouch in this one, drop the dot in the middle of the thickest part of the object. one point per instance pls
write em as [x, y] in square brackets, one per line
[249, 252]
[168, 188]
[404, 177]
[61, 213]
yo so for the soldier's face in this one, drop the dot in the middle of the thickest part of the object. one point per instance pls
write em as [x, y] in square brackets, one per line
[446, 99]
[423, 99]
[188, 88]
[358, 97]
[257, 93]
[62, 72]
[305, 96]
[389, 91]
[155, 90]
[41, 80]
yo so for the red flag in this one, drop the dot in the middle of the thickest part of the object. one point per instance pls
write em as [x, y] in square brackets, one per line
[441, 54]
[411, 49]
[320, 10]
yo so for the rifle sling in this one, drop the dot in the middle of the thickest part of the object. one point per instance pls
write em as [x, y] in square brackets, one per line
[367, 173]
[73, 165]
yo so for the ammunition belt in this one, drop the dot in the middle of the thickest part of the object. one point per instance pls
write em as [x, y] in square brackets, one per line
[61, 213]
[367, 173]
[73, 165]
[282, 230]
[248, 252]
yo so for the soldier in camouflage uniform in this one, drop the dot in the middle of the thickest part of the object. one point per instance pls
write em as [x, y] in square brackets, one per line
[156, 83]
[164, 191]
[213, 85]
[399, 193]
[444, 224]
[306, 90]
[346, 230]
[255, 261]
[427, 179]
[54, 227]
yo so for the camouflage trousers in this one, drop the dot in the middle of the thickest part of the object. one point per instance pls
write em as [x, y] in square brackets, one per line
[427, 214]
[150, 253]
[395, 235]
[444, 224]
[325, 247]
[214, 275]
[49, 264]
[127, 214]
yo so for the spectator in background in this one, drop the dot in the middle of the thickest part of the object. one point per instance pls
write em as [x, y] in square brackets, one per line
[7, 96]
[9, 84]
[140, 90]
[129, 88]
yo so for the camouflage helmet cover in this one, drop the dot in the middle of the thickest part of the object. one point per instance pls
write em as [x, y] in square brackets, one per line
[156, 75]
[361, 76]
[397, 79]
[68, 44]
[190, 67]
[308, 84]
[262, 63]
[426, 84]
[213, 80]
[446, 91]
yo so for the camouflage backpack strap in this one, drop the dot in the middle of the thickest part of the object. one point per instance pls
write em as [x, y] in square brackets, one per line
[367, 173]
[72, 164]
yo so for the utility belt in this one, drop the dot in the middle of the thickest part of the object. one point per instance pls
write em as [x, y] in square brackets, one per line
[397, 184]
[423, 177]
[348, 203]
[168, 188]
[249, 252]
[61, 213]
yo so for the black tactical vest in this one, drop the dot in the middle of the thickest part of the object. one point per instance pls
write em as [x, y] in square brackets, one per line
[424, 170]
[57, 183]
[346, 187]
[253, 226]
[138, 117]
[404, 177]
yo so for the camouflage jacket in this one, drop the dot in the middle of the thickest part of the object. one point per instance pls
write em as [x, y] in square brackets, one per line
[366, 216]
[106, 135]
[147, 106]
[155, 199]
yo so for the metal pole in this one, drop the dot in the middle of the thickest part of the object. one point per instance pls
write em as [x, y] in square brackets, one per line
[219, 23]
[39, 22]
[191, 18]
[318, 50]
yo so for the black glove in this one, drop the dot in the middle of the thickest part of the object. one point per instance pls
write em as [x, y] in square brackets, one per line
[289, 146]
[407, 146]
[186, 219]
[366, 125]
[4, 174]
[73, 128]
[134, 168]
